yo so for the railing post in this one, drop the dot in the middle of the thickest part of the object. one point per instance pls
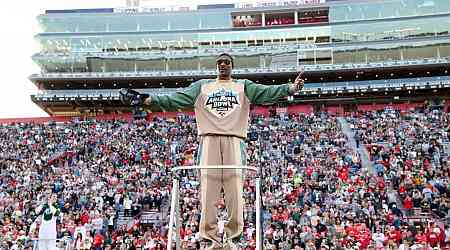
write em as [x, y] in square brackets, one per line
[175, 187]
[177, 220]
[258, 211]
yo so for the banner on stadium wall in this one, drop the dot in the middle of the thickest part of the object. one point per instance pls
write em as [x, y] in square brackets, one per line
[281, 110]
[279, 3]
[156, 9]
[81, 11]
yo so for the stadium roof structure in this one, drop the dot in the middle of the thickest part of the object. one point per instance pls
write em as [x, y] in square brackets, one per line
[162, 49]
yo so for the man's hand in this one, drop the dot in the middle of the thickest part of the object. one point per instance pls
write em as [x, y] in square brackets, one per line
[298, 84]
[132, 97]
[299, 81]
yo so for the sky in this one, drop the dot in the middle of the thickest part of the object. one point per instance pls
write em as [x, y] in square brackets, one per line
[18, 26]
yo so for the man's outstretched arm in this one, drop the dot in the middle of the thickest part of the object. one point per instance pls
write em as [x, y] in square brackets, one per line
[260, 94]
[179, 100]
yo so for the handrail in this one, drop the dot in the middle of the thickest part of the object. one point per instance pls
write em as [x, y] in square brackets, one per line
[214, 167]
[212, 72]
[67, 242]
[174, 208]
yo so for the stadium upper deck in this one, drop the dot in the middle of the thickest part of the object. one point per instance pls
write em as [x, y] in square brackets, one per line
[343, 40]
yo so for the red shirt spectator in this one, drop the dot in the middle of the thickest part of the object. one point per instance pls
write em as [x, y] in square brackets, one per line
[309, 171]
[433, 238]
[98, 240]
[408, 203]
[389, 217]
[381, 184]
[421, 237]
[84, 218]
[396, 235]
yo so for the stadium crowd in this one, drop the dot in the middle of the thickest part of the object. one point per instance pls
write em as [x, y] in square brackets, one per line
[412, 151]
[316, 193]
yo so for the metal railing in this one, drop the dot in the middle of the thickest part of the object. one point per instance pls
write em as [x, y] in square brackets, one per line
[376, 85]
[61, 244]
[246, 71]
[175, 208]
[235, 49]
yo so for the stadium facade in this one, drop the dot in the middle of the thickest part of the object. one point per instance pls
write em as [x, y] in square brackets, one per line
[353, 51]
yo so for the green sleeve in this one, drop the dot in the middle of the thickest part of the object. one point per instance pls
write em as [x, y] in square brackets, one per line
[184, 99]
[43, 208]
[260, 94]
[58, 211]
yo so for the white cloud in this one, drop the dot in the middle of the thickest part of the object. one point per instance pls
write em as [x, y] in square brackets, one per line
[18, 26]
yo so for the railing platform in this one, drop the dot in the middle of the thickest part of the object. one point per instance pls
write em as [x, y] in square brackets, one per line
[175, 209]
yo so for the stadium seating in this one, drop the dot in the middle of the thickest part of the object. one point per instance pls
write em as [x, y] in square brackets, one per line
[112, 177]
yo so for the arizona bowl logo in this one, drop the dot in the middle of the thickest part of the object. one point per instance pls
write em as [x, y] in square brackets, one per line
[221, 103]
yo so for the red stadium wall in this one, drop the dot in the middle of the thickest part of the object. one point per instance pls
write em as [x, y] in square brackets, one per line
[35, 120]
[65, 118]
[259, 110]
[335, 110]
[296, 109]
[396, 106]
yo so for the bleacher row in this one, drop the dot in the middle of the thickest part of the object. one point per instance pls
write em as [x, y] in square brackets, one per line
[185, 53]
[317, 67]
[237, 50]
[310, 88]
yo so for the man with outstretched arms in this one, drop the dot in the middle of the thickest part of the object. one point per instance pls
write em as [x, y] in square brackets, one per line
[222, 108]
